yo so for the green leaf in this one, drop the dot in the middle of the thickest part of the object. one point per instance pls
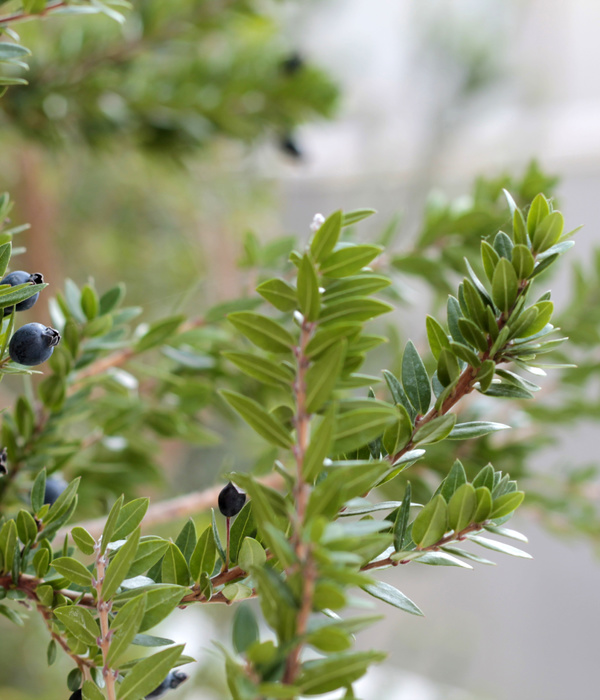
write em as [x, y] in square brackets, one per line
[129, 517]
[326, 337]
[431, 523]
[506, 504]
[484, 504]
[398, 393]
[62, 503]
[319, 446]
[218, 544]
[26, 527]
[262, 369]
[10, 51]
[475, 305]
[508, 391]
[322, 376]
[353, 309]
[37, 491]
[462, 507]
[356, 215]
[545, 310]
[362, 284]
[245, 628]
[262, 331]
[335, 671]
[326, 237]
[161, 600]
[505, 285]
[309, 297]
[5, 253]
[73, 570]
[435, 430]
[415, 379]
[454, 313]
[174, 567]
[8, 542]
[538, 211]
[79, 622]
[401, 522]
[251, 554]
[456, 477]
[119, 565]
[475, 429]
[111, 299]
[489, 258]
[548, 232]
[279, 294]
[473, 334]
[159, 332]
[41, 562]
[89, 302]
[357, 427]
[258, 419]
[125, 626]
[398, 435]
[84, 541]
[205, 552]
[90, 691]
[186, 539]
[499, 547]
[392, 596]
[111, 523]
[522, 261]
[349, 260]
[150, 550]
[436, 335]
[243, 526]
[448, 369]
[13, 295]
[503, 245]
[148, 674]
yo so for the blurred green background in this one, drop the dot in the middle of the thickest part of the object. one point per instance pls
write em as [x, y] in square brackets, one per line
[162, 152]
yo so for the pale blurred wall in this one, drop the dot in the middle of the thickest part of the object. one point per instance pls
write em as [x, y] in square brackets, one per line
[524, 630]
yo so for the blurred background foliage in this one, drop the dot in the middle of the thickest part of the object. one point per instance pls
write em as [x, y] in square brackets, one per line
[138, 153]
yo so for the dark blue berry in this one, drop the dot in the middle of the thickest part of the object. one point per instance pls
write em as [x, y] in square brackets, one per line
[55, 485]
[22, 277]
[289, 146]
[33, 344]
[76, 695]
[174, 679]
[231, 501]
[292, 64]
[3, 461]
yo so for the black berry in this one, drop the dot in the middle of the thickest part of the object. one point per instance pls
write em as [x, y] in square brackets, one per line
[33, 344]
[76, 695]
[231, 501]
[54, 487]
[22, 277]
[292, 64]
[174, 679]
[3, 461]
[288, 145]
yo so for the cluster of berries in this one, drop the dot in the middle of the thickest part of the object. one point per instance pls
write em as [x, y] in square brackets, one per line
[33, 343]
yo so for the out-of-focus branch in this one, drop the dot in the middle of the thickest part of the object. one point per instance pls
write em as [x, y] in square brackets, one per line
[22, 15]
[174, 508]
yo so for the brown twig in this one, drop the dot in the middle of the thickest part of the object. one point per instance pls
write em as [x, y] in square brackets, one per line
[104, 608]
[303, 550]
[22, 15]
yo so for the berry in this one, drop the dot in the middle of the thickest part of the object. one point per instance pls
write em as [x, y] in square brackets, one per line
[174, 679]
[76, 695]
[55, 485]
[231, 501]
[33, 344]
[3, 461]
[292, 64]
[22, 277]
